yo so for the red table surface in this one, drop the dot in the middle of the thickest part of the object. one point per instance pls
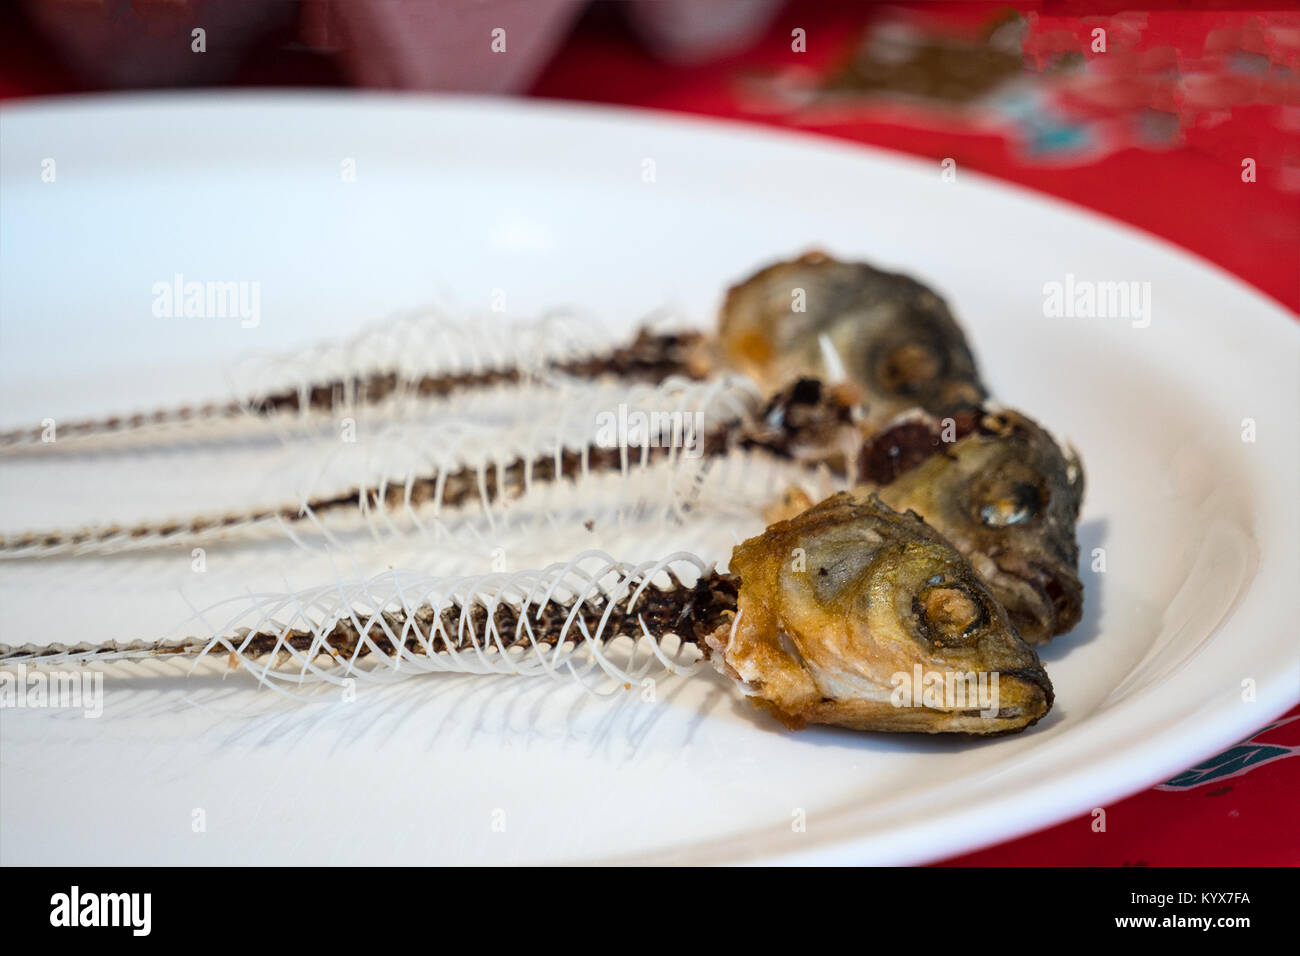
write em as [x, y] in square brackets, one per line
[1239, 807]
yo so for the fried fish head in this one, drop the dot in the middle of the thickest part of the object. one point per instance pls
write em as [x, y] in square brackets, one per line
[999, 488]
[895, 337]
[855, 615]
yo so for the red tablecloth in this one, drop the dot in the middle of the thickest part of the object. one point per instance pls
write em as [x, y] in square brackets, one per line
[1155, 139]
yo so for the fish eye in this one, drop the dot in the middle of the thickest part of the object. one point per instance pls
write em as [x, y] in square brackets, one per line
[1010, 500]
[949, 613]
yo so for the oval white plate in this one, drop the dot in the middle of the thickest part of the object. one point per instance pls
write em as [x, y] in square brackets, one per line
[619, 212]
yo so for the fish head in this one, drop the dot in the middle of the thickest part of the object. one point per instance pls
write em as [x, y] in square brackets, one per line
[1004, 493]
[849, 604]
[889, 334]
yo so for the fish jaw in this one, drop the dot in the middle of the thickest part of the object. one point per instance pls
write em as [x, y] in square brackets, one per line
[1041, 600]
[854, 615]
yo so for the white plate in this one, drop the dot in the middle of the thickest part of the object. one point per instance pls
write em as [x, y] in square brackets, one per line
[551, 204]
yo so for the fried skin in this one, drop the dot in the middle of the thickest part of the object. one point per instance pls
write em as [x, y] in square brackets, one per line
[839, 602]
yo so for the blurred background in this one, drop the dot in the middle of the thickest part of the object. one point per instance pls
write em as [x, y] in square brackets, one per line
[1179, 118]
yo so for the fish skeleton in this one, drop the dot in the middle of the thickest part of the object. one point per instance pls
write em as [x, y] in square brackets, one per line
[897, 338]
[799, 424]
[993, 482]
[878, 597]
